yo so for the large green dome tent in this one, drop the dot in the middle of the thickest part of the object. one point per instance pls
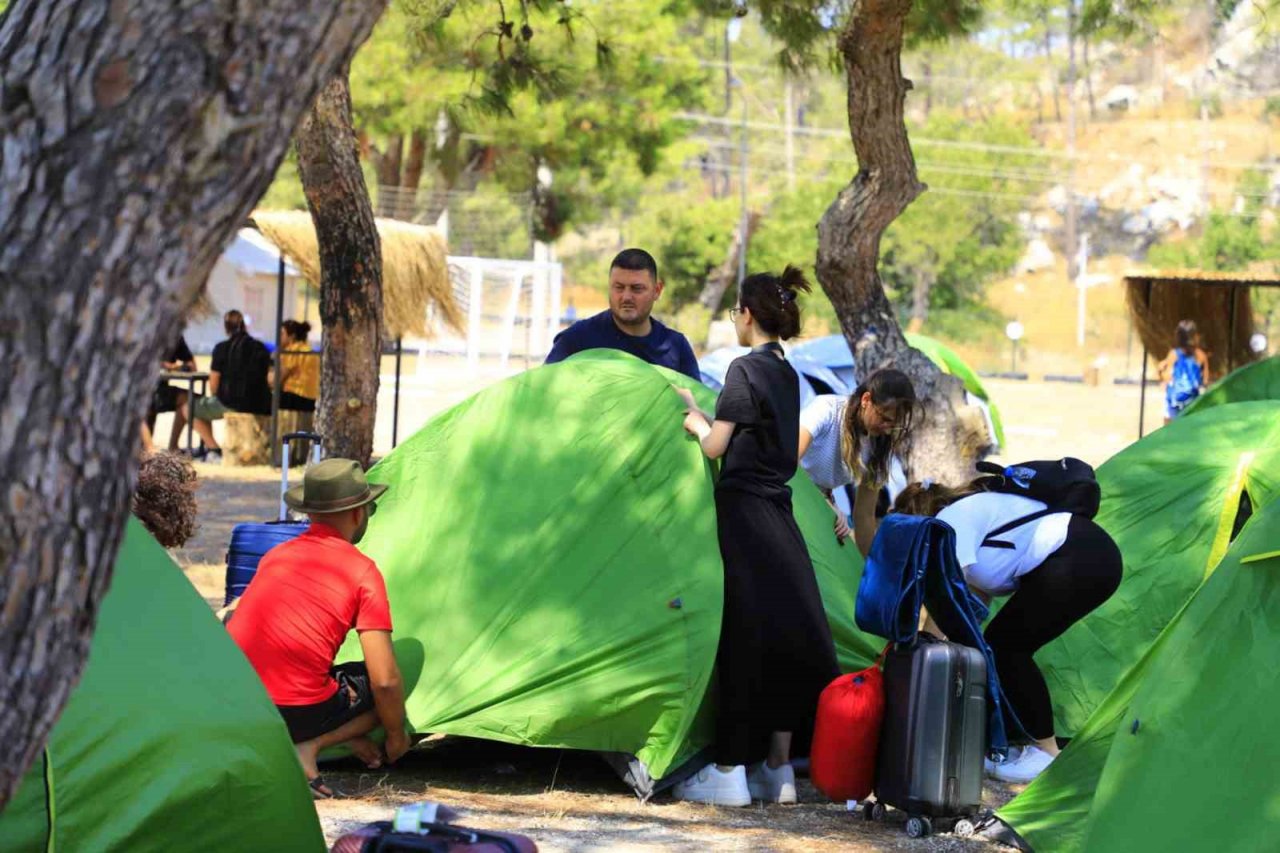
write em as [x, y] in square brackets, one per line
[169, 741]
[1257, 381]
[1180, 756]
[1171, 502]
[551, 542]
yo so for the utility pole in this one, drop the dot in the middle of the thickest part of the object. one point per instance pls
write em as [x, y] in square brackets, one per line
[1073, 267]
[742, 185]
[789, 124]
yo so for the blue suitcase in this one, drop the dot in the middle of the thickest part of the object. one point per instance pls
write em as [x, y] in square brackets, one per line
[249, 541]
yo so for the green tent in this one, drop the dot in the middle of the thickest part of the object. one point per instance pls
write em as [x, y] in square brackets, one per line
[169, 742]
[1181, 755]
[551, 543]
[1170, 501]
[1257, 381]
[949, 362]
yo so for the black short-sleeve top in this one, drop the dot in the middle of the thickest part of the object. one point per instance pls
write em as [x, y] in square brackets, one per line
[761, 396]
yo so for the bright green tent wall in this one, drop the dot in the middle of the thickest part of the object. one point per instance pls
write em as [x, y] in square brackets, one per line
[169, 742]
[1257, 381]
[1182, 755]
[1169, 501]
[551, 544]
[950, 362]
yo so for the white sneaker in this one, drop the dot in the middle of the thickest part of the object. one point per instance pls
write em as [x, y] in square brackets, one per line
[772, 784]
[989, 766]
[1028, 765]
[714, 786]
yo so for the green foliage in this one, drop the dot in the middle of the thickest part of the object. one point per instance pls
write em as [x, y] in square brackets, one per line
[1271, 107]
[581, 90]
[1226, 244]
[958, 237]
[688, 237]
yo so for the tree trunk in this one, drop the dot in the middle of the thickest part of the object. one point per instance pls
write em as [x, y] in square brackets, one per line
[719, 279]
[386, 166]
[137, 136]
[1088, 76]
[350, 273]
[920, 299]
[1048, 58]
[953, 435]
[411, 177]
[927, 68]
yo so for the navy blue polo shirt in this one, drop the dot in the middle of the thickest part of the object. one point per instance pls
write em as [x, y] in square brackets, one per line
[662, 346]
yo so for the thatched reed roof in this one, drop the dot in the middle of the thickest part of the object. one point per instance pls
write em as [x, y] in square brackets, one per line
[1159, 299]
[415, 271]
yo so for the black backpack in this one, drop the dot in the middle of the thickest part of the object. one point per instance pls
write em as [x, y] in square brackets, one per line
[1062, 485]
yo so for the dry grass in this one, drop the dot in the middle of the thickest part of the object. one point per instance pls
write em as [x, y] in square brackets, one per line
[1157, 306]
[415, 270]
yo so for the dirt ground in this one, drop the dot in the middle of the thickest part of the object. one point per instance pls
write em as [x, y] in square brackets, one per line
[573, 801]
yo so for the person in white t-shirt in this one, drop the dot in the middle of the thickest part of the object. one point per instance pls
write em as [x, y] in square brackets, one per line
[1056, 568]
[862, 433]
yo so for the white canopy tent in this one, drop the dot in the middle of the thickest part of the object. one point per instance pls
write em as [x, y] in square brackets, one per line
[246, 277]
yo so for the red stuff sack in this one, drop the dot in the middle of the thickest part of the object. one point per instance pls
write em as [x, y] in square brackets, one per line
[842, 761]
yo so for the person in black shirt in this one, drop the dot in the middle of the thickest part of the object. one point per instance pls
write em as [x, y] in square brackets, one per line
[169, 398]
[776, 653]
[237, 381]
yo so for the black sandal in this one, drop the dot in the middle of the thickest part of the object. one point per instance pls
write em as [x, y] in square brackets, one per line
[320, 790]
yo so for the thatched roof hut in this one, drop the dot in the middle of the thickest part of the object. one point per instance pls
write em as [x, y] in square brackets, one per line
[415, 271]
[1218, 302]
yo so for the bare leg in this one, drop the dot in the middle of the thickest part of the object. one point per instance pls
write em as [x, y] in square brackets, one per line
[205, 430]
[779, 750]
[352, 729]
[179, 419]
[148, 446]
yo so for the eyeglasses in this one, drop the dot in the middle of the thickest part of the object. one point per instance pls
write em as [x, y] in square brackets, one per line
[734, 312]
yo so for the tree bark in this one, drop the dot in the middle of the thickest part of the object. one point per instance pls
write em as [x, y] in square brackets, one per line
[411, 177]
[1048, 58]
[920, 299]
[952, 435]
[137, 136]
[386, 165]
[721, 277]
[350, 273]
[1088, 77]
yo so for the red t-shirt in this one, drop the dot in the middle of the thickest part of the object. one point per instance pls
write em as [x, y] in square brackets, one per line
[307, 594]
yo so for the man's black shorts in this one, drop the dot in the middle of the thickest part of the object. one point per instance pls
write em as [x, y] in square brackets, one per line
[307, 722]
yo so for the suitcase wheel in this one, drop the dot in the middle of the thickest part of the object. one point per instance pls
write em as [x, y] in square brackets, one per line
[964, 828]
[874, 811]
[919, 827]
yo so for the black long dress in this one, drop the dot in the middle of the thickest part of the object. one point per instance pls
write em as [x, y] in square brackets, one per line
[776, 653]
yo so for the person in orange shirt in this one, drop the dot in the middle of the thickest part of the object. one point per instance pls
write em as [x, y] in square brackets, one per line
[296, 612]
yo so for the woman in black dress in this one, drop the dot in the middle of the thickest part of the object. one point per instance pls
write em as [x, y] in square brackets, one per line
[776, 653]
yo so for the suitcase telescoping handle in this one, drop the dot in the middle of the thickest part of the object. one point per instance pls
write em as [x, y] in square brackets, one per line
[315, 439]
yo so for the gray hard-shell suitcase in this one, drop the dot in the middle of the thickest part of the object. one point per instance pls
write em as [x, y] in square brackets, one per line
[934, 734]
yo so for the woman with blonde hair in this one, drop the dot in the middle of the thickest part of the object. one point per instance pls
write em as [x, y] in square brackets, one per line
[855, 441]
[1055, 567]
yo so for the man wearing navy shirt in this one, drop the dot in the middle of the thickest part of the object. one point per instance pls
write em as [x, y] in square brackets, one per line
[633, 288]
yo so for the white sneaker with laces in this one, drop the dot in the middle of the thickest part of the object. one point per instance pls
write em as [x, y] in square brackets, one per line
[772, 784]
[989, 766]
[1029, 764]
[715, 786]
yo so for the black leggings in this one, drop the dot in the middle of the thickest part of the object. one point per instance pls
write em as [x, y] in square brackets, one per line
[1071, 583]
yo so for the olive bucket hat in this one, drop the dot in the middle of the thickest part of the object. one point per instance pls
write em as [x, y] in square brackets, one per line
[333, 485]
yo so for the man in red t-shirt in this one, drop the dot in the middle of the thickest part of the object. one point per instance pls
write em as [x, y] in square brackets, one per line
[295, 614]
